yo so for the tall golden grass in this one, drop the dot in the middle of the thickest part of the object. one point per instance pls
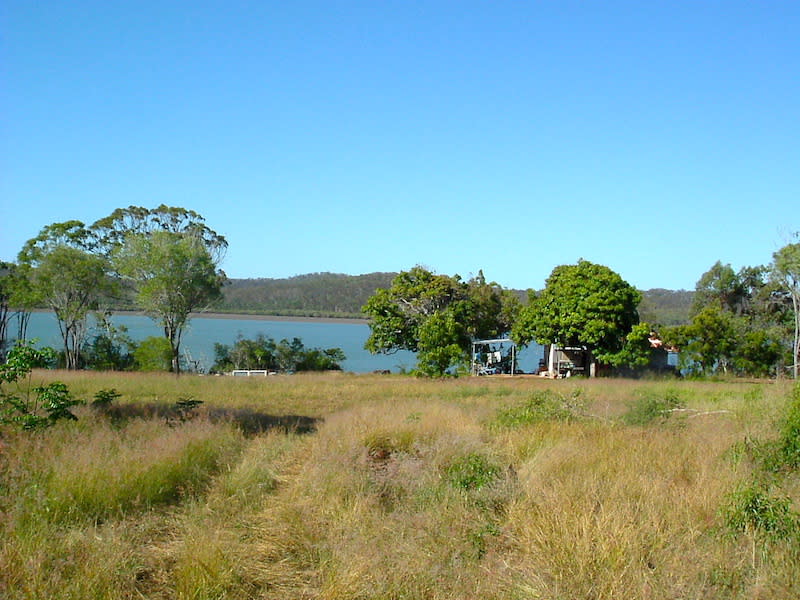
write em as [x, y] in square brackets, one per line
[393, 487]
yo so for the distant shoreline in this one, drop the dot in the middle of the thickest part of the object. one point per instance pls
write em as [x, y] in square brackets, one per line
[243, 317]
[248, 317]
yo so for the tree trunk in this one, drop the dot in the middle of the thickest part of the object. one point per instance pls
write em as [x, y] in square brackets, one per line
[796, 346]
[4, 316]
[173, 334]
[23, 318]
[176, 359]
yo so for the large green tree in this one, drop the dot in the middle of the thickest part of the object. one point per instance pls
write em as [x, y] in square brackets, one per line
[585, 304]
[174, 275]
[113, 231]
[722, 287]
[707, 344]
[171, 257]
[23, 297]
[437, 316]
[69, 277]
[738, 323]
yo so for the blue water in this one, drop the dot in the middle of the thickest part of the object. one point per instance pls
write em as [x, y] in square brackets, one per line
[202, 333]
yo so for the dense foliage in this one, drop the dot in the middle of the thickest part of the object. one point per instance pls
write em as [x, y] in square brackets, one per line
[165, 261]
[316, 295]
[665, 307]
[263, 353]
[111, 348]
[69, 277]
[584, 305]
[6, 269]
[437, 316]
[740, 323]
[153, 354]
[786, 269]
[170, 257]
[166, 258]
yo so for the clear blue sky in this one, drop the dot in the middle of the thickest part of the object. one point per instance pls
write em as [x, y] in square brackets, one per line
[652, 137]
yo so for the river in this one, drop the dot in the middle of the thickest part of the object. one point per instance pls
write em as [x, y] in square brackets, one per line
[202, 332]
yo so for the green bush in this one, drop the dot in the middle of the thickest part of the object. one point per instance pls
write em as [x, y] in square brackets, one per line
[32, 407]
[103, 398]
[109, 351]
[264, 353]
[789, 448]
[472, 472]
[544, 405]
[751, 509]
[783, 453]
[153, 354]
[649, 409]
[119, 472]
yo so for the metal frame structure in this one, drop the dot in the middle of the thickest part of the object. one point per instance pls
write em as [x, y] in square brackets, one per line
[480, 369]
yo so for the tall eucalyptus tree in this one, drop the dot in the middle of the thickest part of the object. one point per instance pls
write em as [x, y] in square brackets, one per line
[69, 277]
[171, 257]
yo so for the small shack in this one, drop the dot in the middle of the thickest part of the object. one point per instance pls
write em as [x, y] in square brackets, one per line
[566, 361]
[494, 357]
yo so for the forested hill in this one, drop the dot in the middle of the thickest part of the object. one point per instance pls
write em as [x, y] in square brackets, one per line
[315, 294]
[666, 307]
[337, 295]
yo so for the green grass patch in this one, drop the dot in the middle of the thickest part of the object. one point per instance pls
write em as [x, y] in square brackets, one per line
[472, 471]
[383, 443]
[543, 405]
[652, 408]
[112, 473]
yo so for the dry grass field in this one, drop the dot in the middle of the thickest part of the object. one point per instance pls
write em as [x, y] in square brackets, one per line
[342, 486]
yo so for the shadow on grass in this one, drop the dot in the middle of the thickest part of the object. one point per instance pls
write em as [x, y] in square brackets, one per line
[251, 422]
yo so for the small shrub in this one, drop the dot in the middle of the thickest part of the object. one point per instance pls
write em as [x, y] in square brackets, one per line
[472, 472]
[382, 444]
[479, 538]
[789, 448]
[32, 407]
[542, 406]
[57, 401]
[104, 398]
[783, 453]
[752, 510]
[184, 408]
[649, 409]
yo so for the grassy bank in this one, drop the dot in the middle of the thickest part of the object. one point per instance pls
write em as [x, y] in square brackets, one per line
[363, 486]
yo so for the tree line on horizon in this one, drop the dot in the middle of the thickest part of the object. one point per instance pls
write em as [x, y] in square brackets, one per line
[166, 262]
[341, 295]
[745, 323]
